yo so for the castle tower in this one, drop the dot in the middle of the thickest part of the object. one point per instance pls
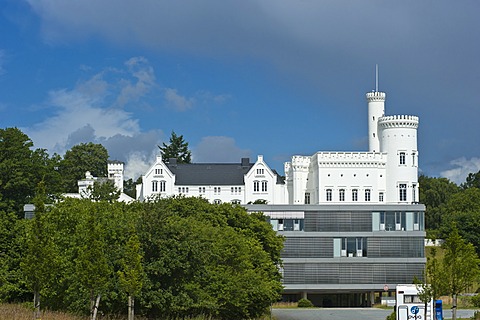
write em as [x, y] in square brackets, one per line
[376, 110]
[115, 173]
[398, 138]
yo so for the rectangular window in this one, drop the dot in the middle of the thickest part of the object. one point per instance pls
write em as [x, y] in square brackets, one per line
[307, 197]
[402, 191]
[354, 195]
[341, 195]
[216, 190]
[380, 197]
[352, 247]
[402, 158]
[162, 186]
[413, 158]
[367, 195]
[260, 171]
[256, 186]
[414, 192]
[154, 186]
[329, 194]
[158, 171]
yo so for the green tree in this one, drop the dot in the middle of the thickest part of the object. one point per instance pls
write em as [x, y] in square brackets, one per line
[131, 274]
[176, 149]
[207, 259]
[39, 255]
[18, 169]
[435, 194]
[80, 159]
[103, 191]
[460, 267]
[93, 268]
[463, 211]
[472, 181]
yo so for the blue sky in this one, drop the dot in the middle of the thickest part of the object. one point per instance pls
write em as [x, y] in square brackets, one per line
[241, 78]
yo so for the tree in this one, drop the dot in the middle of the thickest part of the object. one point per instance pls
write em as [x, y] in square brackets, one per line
[80, 159]
[472, 181]
[435, 193]
[39, 256]
[433, 285]
[176, 149]
[463, 212]
[460, 267]
[207, 259]
[18, 169]
[103, 191]
[131, 274]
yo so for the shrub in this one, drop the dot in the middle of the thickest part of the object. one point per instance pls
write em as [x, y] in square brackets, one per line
[476, 300]
[392, 316]
[304, 303]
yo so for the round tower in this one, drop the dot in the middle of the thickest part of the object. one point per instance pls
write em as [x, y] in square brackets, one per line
[398, 138]
[376, 109]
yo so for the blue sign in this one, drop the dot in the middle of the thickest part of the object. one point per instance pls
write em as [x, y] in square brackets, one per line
[414, 309]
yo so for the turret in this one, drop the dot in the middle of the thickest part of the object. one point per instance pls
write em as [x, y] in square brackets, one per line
[376, 109]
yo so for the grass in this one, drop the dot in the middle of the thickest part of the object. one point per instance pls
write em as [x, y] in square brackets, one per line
[24, 312]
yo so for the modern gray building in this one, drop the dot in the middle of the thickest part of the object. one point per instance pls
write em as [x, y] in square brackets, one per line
[346, 255]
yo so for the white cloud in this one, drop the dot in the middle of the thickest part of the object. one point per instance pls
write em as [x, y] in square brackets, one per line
[219, 149]
[462, 167]
[145, 76]
[178, 102]
[92, 110]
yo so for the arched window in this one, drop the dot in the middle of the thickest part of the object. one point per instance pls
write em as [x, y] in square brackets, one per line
[154, 186]
[341, 194]
[264, 186]
[162, 186]
[329, 194]
[256, 186]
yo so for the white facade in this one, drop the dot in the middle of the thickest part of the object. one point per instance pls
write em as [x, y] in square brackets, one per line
[115, 173]
[240, 183]
[386, 174]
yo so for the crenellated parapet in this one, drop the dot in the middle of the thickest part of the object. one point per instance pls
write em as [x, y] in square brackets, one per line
[398, 121]
[376, 96]
[351, 159]
[300, 163]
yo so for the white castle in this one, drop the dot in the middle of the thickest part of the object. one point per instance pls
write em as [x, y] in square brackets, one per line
[386, 174]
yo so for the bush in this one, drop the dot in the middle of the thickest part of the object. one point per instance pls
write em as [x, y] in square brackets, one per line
[475, 300]
[304, 303]
[392, 316]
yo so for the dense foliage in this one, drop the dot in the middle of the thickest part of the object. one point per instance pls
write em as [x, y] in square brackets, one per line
[178, 257]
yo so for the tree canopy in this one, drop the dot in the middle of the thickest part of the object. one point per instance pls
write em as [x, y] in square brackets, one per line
[81, 158]
[176, 149]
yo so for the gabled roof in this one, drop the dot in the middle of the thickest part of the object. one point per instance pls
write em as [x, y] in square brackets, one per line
[209, 173]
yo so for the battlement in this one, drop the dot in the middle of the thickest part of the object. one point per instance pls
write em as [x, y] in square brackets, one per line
[351, 159]
[398, 121]
[376, 96]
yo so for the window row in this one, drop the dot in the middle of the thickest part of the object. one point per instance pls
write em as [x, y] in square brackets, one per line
[354, 221]
[354, 195]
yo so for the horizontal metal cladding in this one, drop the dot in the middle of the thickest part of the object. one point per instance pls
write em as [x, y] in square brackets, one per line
[338, 273]
[307, 247]
[398, 247]
[338, 221]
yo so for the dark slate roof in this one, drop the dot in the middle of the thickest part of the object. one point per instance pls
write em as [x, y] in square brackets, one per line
[204, 174]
